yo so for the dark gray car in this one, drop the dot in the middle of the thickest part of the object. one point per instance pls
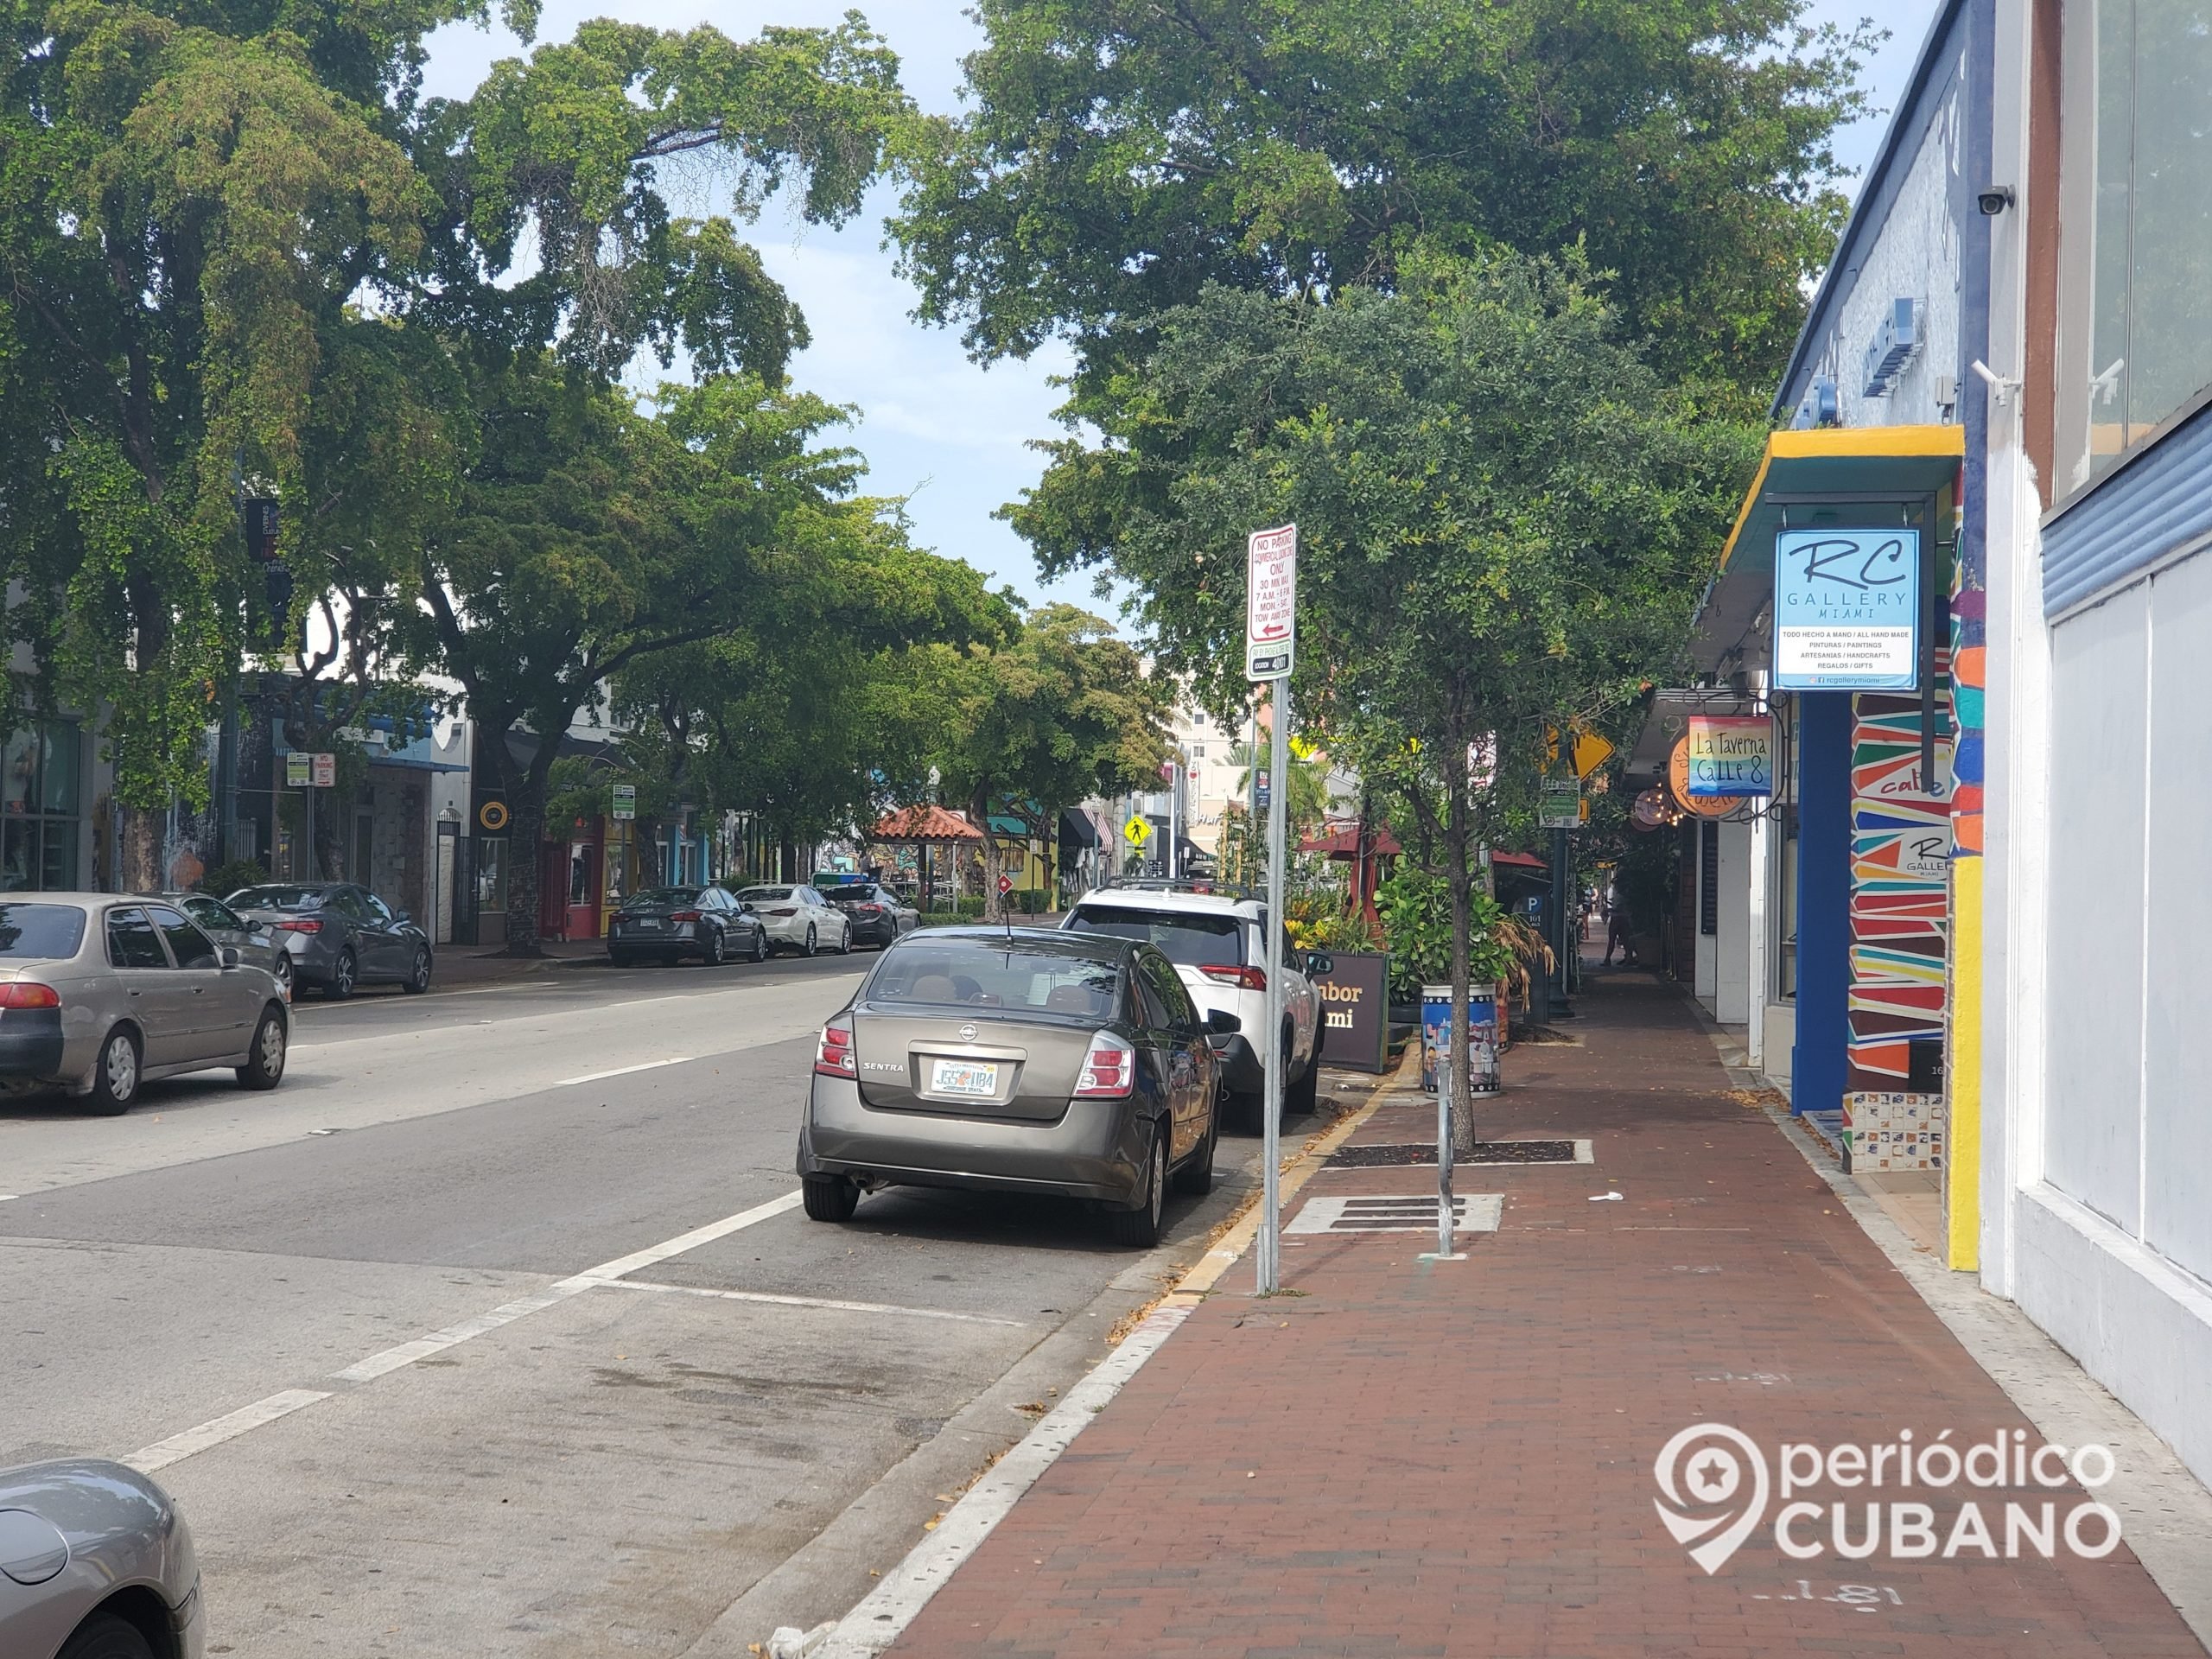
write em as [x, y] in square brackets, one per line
[254, 942]
[670, 923]
[96, 1562]
[1016, 1061]
[879, 916]
[338, 936]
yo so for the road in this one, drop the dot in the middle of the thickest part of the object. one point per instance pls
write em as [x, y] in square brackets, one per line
[498, 1329]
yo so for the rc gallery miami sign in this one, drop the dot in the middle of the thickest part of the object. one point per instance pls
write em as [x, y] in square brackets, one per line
[1847, 610]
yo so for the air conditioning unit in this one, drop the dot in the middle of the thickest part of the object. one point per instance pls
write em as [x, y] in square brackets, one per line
[1892, 348]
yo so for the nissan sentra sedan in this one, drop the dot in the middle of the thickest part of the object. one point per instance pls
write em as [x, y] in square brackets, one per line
[96, 1562]
[101, 993]
[1019, 1060]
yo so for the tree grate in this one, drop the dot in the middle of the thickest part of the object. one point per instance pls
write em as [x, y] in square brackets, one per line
[1395, 1156]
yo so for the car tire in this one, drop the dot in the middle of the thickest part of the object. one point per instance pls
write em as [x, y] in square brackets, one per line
[264, 1057]
[845, 941]
[280, 969]
[829, 1198]
[810, 939]
[116, 1073]
[1195, 1179]
[760, 945]
[343, 974]
[105, 1636]
[418, 975]
[1139, 1228]
[710, 953]
[622, 958]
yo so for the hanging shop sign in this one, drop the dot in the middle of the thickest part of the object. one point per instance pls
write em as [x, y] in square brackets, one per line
[1847, 610]
[1730, 755]
[1678, 787]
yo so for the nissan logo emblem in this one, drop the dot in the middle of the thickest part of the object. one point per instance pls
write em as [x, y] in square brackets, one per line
[967, 1033]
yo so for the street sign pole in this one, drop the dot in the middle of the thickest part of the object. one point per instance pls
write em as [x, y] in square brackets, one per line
[1270, 647]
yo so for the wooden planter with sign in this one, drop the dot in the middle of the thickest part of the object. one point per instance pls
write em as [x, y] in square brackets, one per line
[1356, 1009]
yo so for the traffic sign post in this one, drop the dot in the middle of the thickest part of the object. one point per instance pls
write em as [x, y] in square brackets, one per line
[1270, 649]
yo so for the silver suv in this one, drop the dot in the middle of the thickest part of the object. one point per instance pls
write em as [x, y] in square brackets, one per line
[1215, 936]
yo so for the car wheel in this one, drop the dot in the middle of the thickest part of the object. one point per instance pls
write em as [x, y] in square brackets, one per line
[1139, 1228]
[265, 1059]
[810, 938]
[829, 1198]
[1195, 1179]
[280, 969]
[115, 1076]
[340, 985]
[418, 977]
[621, 958]
[105, 1636]
[710, 953]
[845, 941]
[760, 945]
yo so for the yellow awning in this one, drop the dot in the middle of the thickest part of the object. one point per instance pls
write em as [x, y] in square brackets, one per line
[1842, 475]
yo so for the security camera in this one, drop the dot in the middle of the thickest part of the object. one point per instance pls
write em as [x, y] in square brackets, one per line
[1994, 200]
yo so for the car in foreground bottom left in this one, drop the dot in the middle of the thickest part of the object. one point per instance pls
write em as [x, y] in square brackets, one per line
[101, 992]
[96, 1562]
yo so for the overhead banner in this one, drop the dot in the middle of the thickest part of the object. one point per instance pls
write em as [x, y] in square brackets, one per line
[1730, 755]
[1847, 610]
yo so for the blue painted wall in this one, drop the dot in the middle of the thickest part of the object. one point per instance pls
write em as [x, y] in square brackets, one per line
[1816, 1067]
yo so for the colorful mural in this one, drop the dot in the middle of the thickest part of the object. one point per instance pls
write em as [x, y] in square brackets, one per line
[1900, 869]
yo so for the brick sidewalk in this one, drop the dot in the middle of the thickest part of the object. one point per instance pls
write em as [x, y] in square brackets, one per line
[1456, 1459]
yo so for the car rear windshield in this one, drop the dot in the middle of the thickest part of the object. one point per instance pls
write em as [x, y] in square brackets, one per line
[857, 893]
[980, 975]
[41, 932]
[665, 896]
[1188, 939]
[763, 895]
[281, 898]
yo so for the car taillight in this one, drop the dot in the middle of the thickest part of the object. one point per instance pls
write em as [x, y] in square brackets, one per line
[309, 925]
[1251, 979]
[834, 1058]
[867, 909]
[783, 912]
[1109, 1069]
[682, 915]
[25, 995]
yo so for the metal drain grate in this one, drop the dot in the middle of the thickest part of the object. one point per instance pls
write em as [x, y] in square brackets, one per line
[1393, 1156]
[1471, 1212]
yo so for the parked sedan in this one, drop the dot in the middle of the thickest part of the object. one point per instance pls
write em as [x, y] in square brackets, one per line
[1021, 1061]
[100, 994]
[877, 914]
[338, 936]
[96, 1562]
[799, 919]
[256, 942]
[671, 923]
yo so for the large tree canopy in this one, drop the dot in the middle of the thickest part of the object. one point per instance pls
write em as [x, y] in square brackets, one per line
[1121, 153]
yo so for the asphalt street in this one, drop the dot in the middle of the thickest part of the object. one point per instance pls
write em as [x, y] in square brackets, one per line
[498, 1329]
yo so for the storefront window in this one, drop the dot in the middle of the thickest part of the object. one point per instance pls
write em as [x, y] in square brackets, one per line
[2143, 85]
[39, 818]
[490, 875]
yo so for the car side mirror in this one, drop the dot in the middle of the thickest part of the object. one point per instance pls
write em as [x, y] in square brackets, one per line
[1319, 962]
[227, 955]
[401, 916]
[1220, 1022]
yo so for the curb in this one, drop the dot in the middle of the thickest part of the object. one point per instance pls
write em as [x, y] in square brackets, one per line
[883, 1615]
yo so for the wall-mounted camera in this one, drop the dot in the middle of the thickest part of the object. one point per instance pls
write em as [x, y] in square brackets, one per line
[1994, 200]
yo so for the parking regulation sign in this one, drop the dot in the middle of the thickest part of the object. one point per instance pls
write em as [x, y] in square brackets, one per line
[1270, 602]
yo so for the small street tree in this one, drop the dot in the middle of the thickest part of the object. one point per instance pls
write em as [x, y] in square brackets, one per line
[1503, 520]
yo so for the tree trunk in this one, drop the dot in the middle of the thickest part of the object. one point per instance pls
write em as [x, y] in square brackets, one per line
[993, 900]
[1461, 880]
[526, 858]
[138, 849]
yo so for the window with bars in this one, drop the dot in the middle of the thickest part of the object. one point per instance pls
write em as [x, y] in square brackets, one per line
[1708, 877]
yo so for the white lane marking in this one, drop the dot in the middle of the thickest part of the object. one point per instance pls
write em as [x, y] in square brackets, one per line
[877, 1622]
[831, 1303]
[427, 1025]
[623, 1265]
[214, 1432]
[621, 1071]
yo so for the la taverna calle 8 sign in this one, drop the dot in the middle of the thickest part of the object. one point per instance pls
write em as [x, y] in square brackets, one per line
[1730, 755]
[1847, 610]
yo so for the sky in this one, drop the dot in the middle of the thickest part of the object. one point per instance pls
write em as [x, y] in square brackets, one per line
[946, 432]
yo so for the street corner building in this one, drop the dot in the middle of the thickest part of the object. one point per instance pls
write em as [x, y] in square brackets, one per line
[1961, 919]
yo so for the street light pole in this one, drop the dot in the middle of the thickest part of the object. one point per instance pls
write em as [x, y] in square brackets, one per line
[1270, 1241]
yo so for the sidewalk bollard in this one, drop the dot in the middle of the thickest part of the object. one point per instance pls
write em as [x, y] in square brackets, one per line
[1443, 1057]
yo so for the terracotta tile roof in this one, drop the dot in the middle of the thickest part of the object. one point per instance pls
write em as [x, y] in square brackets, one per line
[924, 823]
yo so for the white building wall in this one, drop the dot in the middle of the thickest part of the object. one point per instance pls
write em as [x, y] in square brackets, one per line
[1731, 984]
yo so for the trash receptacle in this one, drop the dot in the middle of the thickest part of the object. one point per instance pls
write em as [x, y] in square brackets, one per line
[1482, 1036]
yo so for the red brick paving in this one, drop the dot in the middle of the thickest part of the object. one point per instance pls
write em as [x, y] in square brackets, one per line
[1456, 1459]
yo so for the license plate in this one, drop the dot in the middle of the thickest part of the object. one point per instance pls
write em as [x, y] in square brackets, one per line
[963, 1078]
[646, 925]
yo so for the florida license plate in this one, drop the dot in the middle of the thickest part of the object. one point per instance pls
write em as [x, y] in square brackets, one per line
[648, 925]
[963, 1078]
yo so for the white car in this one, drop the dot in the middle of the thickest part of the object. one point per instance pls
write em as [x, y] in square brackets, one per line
[799, 919]
[1215, 936]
